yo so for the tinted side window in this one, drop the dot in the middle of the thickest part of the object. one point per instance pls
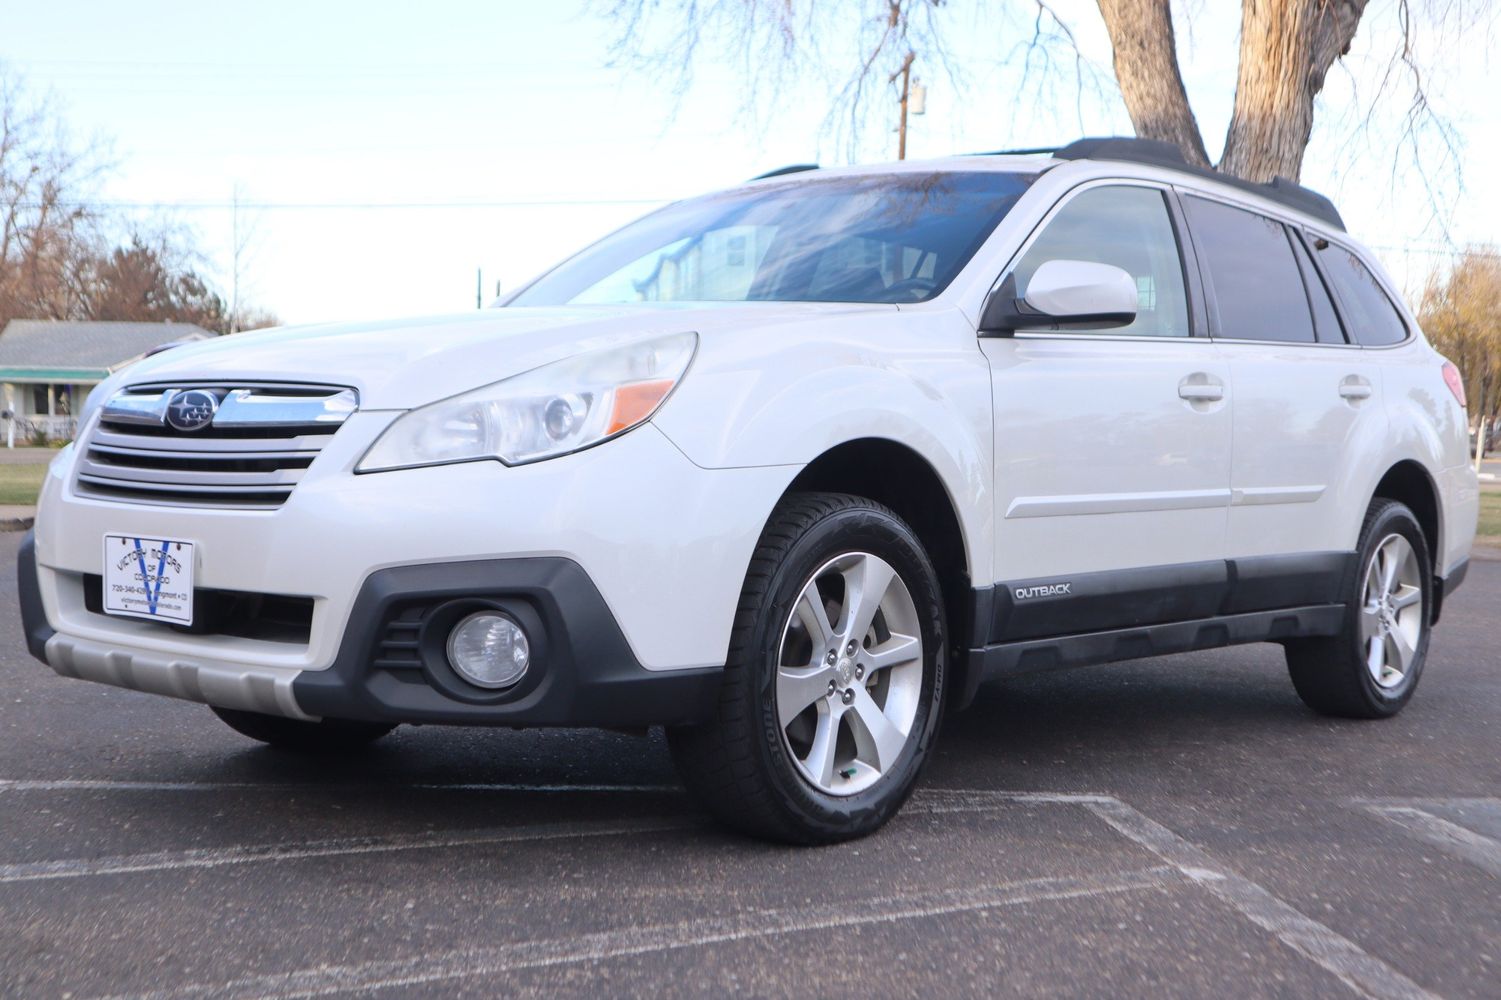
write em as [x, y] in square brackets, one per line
[1128, 227]
[1325, 318]
[1258, 292]
[1369, 315]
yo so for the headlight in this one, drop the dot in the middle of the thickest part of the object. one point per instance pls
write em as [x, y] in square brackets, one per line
[546, 412]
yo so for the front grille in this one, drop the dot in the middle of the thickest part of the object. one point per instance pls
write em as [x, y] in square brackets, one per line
[252, 447]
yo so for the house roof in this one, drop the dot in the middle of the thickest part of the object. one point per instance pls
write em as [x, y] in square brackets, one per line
[38, 350]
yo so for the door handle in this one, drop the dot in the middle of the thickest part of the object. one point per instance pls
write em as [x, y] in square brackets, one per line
[1201, 387]
[1355, 387]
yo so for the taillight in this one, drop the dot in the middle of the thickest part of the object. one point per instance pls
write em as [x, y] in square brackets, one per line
[1455, 382]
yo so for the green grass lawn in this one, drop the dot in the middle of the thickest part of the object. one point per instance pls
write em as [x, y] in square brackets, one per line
[1490, 514]
[20, 483]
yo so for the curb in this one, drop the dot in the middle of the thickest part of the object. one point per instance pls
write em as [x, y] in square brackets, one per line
[1485, 553]
[25, 523]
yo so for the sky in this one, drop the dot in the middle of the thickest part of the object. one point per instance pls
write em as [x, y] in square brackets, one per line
[382, 154]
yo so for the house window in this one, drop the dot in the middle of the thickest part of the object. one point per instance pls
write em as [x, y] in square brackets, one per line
[39, 400]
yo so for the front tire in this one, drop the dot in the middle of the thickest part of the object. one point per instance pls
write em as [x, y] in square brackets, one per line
[833, 688]
[326, 736]
[1371, 668]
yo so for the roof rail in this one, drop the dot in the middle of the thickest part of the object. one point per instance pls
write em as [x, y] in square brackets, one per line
[795, 168]
[1164, 154]
[1034, 151]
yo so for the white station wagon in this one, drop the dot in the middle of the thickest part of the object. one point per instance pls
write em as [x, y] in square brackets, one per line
[789, 470]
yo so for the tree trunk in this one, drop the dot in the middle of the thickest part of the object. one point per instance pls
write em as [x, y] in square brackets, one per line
[1480, 423]
[1286, 48]
[1146, 67]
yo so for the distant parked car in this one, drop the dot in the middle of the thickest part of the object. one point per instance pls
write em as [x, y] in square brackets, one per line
[789, 470]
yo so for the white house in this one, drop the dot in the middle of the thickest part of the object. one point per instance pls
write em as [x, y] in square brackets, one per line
[47, 367]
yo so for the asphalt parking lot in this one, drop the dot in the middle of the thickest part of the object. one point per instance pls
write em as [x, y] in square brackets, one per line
[1175, 827]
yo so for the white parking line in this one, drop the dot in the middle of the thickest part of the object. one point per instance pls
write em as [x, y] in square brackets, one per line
[1367, 975]
[1462, 842]
[1364, 973]
[214, 857]
[367, 976]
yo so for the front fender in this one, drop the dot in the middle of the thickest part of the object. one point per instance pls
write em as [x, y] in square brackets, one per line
[786, 395]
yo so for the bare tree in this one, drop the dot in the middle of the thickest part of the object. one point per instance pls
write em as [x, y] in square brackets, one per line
[59, 255]
[1287, 48]
[151, 279]
[1461, 314]
[46, 236]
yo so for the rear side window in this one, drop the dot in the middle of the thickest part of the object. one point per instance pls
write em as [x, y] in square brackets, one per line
[1370, 316]
[1325, 318]
[1249, 263]
[1130, 228]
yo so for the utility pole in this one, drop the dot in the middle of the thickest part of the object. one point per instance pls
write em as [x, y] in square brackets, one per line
[479, 288]
[901, 130]
[234, 252]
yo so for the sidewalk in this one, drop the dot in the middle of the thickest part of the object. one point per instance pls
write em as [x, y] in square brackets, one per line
[16, 517]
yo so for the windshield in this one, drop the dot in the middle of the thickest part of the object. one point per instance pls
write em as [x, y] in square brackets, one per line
[866, 238]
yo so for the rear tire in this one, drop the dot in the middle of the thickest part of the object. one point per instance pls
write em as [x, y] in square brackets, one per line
[833, 687]
[1371, 668]
[326, 736]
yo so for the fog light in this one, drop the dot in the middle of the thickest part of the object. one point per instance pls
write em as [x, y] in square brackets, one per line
[489, 649]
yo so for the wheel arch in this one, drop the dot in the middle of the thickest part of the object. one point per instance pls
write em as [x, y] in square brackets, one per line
[1409, 483]
[899, 477]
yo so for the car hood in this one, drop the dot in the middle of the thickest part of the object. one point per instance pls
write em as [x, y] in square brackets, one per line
[400, 364]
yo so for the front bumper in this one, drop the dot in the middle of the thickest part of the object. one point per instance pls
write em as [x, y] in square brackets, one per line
[391, 666]
[629, 554]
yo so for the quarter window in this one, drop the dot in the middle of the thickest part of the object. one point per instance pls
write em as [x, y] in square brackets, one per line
[1128, 227]
[1370, 316]
[1249, 263]
[1325, 317]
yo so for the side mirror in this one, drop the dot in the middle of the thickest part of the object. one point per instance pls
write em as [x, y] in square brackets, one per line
[1063, 295]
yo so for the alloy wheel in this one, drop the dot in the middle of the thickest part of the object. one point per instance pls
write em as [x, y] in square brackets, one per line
[1391, 617]
[849, 673]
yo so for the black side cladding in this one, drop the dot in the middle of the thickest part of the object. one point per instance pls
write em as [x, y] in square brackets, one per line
[33, 615]
[1085, 618]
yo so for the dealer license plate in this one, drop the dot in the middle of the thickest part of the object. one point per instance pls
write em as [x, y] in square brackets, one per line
[148, 578]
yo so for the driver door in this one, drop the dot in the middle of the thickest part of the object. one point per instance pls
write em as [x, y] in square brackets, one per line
[1112, 447]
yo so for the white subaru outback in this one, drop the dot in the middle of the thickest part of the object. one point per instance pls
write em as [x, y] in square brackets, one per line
[790, 470]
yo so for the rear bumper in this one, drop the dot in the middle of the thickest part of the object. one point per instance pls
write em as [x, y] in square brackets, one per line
[391, 667]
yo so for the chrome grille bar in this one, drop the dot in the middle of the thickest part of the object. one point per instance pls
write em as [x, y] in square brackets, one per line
[104, 437]
[251, 454]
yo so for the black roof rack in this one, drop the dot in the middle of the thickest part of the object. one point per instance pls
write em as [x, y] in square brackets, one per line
[1034, 151]
[1165, 154]
[796, 168]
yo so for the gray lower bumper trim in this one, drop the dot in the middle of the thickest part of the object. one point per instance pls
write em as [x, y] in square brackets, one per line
[267, 691]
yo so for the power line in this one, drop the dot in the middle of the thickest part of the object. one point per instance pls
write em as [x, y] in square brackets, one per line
[1437, 251]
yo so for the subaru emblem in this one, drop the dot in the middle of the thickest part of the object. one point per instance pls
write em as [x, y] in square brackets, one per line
[192, 410]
